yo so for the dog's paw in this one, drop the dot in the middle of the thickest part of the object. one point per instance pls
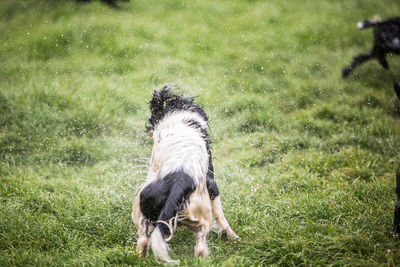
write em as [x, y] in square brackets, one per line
[228, 234]
[345, 72]
[142, 247]
[233, 235]
[201, 251]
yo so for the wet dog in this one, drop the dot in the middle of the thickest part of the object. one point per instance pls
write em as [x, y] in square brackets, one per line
[386, 40]
[180, 187]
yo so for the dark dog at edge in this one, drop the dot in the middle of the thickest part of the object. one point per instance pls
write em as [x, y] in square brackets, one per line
[396, 88]
[387, 40]
[397, 206]
[180, 187]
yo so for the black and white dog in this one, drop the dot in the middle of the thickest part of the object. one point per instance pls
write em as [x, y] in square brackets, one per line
[180, 186]
[387, 40]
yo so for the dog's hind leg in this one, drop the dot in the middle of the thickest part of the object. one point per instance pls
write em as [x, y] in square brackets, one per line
[142, 224]
[143, 239]
[218, 215]
[201, 248]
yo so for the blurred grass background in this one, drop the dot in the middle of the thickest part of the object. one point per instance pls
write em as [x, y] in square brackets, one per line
[305, 160]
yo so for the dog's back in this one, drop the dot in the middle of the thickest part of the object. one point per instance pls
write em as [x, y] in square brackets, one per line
[386, 33]
[178, 165]
[179, 145]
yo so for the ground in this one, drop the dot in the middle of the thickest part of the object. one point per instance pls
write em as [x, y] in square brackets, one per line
[305, 161]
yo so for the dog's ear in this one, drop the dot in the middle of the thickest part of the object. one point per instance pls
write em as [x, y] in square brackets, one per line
[156, 107]
[157, 102]
[396, 88]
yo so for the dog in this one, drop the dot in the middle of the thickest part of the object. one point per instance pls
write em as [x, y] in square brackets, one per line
[387, 40]
[180, 187]
[110, 3]
[396, 87]
[396, 219]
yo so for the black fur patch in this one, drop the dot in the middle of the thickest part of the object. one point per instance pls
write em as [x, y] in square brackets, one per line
[164, 102]
[397, 206]
[396, 88]
[111, 3]
[162, 199]
[212, 187]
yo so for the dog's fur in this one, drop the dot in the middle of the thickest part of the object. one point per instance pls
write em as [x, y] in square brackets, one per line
[111, 3]
[387, 40]
[180, 187]
[396, 87]
[397, 206]
[396, 217]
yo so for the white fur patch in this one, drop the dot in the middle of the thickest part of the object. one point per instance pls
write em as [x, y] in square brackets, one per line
[396, 42]
[160, 248]
[177, 146]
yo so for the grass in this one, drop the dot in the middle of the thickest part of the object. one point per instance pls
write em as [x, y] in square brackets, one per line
[305, 160]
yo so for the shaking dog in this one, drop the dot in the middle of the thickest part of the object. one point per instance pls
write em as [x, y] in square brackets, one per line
[180, 187]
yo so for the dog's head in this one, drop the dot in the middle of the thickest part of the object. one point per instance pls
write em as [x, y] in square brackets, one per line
[165, 101]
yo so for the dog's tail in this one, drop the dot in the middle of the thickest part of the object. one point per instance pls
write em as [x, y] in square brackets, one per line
[160, 247]
[161, 200]
[396, 87]
[368, 23]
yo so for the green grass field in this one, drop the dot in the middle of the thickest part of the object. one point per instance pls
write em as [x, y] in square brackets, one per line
[305, 160]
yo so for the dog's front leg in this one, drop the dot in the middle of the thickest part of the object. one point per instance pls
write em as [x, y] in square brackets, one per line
[361, 58]
[382, 60]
